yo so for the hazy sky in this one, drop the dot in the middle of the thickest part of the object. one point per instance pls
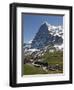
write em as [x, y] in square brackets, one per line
[31, 24]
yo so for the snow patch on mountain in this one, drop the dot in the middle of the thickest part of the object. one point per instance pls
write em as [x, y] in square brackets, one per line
[59, 47]
[56, 30]
[33, 50]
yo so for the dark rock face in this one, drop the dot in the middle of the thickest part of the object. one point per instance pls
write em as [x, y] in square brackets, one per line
[58, 40]
[44, 38]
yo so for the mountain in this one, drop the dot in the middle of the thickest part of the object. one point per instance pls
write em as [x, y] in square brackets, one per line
[48, 35]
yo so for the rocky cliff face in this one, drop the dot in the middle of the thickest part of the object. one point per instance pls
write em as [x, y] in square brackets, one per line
[48, 35]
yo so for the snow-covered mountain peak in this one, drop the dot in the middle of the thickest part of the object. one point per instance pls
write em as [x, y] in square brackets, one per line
[48, 34]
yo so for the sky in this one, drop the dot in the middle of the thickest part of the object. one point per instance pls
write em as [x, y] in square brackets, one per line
[32, 22]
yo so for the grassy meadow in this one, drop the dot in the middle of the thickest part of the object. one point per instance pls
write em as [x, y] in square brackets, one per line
[52, 58]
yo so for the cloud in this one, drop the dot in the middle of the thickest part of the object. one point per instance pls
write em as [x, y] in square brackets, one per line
[30, 41]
